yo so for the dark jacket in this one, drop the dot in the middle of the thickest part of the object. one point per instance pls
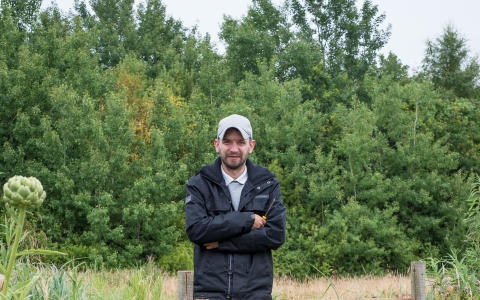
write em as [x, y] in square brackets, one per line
[241, 267]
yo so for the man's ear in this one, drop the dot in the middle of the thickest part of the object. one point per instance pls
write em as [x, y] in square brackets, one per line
[216, 143]
[252, 145]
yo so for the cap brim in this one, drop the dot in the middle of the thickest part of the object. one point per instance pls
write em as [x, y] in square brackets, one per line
[244, 134]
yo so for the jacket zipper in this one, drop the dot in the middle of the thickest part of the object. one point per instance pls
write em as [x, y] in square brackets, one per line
[230, 258]
[230, 275]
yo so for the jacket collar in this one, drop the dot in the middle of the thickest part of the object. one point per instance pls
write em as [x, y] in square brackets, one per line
[256, 173]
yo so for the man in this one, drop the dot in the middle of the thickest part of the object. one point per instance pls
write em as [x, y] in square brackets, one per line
[235, 217]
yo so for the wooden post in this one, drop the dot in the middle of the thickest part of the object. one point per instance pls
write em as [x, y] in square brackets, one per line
[417, 280]
[185, 285]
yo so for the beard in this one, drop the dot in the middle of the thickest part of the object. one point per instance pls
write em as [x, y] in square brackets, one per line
[233, 165]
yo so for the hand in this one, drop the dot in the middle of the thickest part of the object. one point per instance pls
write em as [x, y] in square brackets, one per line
[211, 245]
[259, 222]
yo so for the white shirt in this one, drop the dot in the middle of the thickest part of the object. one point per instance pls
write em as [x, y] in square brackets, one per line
[235, 186]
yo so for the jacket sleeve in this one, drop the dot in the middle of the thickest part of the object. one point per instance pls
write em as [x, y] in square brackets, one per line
[203, 228]
[271, 236]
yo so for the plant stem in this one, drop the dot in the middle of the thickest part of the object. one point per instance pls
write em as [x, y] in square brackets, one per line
[13, 253]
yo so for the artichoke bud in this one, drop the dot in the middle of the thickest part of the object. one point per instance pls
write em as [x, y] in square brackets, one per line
[39, 188]
[16, 197]
[15, 185]
[23, 192]
[32, 197]
[24, 180]
[8, 193]
[31, 185]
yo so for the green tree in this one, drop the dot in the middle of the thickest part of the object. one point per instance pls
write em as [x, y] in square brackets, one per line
[257, 37]
[115, 28]
[160, 37]
[22, 12]
[392, 66]
[348, 37]
[459, 123]
[299, 59]
[423, 170]
[212, 76]
[455, 75]
[448, 63]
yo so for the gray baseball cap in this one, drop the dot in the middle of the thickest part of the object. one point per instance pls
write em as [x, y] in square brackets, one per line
[235, 121]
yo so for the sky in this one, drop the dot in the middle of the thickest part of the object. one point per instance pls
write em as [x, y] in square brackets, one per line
[413, 21]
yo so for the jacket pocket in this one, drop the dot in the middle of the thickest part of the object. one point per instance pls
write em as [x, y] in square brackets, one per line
[218, 206]
[203, 262]
[260, 263]
[258, 204]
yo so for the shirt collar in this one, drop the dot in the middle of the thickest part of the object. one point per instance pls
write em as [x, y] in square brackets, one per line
[241, 179]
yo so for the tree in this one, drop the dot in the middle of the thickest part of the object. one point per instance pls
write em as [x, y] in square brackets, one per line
[422, 168]
[392, 66]
[455, 74]
[160, 37]
[115, 29]
[448, 64]
[22, 12]
[257, 37]
[348, 38]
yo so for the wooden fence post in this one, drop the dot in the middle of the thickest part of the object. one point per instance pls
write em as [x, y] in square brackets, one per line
[184, 285]
[417, 280]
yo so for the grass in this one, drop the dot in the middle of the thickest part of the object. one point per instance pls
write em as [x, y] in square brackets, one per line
[142, 284]
[342, 288]
[139, 283]
[69, 282]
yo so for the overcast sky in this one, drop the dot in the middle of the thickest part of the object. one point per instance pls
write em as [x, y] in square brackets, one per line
[413, 21]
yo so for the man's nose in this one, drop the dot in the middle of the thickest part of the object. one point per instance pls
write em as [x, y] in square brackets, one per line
[234, 147]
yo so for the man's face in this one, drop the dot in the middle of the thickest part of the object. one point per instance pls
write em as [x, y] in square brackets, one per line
[234, 149]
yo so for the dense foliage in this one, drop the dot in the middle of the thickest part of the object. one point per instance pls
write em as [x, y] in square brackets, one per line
[113, 107]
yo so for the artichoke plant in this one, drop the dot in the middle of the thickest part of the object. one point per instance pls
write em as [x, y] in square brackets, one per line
[23, 192]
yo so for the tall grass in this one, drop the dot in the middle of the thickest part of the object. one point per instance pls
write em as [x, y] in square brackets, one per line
[70, 282]
[149, 282]
[341, 288]
[119, 286]
[146, 282]
[455, 276]
[452, 278]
